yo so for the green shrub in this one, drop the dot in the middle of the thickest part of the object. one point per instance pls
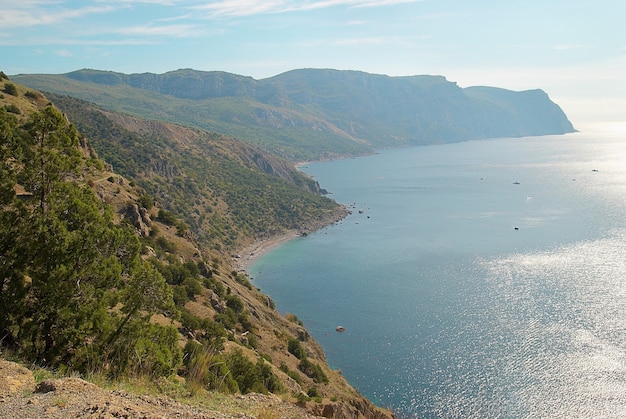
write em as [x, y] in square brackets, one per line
[228, 318]
[12, 108]
[165, 245]
[252, 341]
[293, 374]
[294, 348]
[32, 95]
[190, 321]
[146, 201]
[179, 294]
[252, 377]
[10, 89]
[207, 369]
[167, 217]
[235, 303]
[313, 371]
[192, 286]
[312, 392]
[181, 228]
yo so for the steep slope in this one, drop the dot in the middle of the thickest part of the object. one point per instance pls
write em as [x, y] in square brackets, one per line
[313, 114]
[99, 280]
[228, 192]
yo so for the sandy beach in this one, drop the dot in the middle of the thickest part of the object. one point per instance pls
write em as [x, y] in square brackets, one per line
[250, 254]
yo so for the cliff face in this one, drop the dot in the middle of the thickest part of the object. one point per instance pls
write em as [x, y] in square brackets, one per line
[314, 114]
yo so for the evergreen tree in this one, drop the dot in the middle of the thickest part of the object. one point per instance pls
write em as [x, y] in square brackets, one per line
[51, 153]
[12, 213]
[74, 291]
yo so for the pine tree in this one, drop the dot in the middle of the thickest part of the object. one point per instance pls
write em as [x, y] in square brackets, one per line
[66, 268]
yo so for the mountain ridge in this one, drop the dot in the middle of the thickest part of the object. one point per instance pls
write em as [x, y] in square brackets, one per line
[313, 114]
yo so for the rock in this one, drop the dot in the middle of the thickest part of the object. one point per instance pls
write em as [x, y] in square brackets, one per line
[218, 304]
[67, 385]
[15, 379]
[328, 411]
[150, 252]
[135, 217]
[145, 216]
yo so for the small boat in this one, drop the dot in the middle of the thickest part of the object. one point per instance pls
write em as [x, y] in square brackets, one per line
[515, 183]
[340, 329]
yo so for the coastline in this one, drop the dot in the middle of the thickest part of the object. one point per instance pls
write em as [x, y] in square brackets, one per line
[247, 255]
[252, 253]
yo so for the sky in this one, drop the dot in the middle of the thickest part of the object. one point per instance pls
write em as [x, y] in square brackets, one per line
[575, 50]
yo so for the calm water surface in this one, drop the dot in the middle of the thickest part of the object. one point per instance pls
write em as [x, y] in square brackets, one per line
[482, 279]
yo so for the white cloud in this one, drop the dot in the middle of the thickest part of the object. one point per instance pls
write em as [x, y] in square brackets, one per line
[63, 53]
[177, 31]
[233, 8]
[37, 13]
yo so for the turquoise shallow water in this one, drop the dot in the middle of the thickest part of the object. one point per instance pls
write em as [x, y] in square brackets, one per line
[480, 279]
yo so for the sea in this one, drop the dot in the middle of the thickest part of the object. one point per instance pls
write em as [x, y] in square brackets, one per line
[481, 279]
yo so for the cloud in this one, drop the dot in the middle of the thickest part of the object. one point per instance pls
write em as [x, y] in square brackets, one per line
[177, 31]
[63, 53]
[27, 13]
[234, 8]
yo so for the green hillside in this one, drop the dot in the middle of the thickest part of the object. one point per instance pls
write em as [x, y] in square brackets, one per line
[228, 192]
[105, 279]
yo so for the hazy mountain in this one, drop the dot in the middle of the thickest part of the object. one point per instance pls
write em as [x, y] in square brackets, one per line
[312, 114]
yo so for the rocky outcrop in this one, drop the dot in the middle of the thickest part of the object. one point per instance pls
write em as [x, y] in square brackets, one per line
[278, 167]
[358, 409]
[139, 218]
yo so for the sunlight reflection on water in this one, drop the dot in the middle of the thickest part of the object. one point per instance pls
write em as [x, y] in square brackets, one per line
[574, 357]
[449, 310]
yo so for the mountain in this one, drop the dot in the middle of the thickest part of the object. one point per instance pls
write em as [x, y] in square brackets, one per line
[315, 114]
[229, 193]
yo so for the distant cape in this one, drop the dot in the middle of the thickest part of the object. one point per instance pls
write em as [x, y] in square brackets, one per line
[317, 113]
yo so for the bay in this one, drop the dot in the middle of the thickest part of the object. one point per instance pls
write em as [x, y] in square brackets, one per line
[476, 279]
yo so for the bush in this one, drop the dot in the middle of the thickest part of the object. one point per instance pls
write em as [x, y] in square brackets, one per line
[228, 318]
[165, 245]
[251, 377]
[206, 369]
[294, 348]
[313, 371]
[32, 95]
[12, 108]
[10, 89]
[293, 374]
[167, 217]
[235, 303]
[146, 201]
[181, 228]
[180, 295]
[312, 392]
[192, 286]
